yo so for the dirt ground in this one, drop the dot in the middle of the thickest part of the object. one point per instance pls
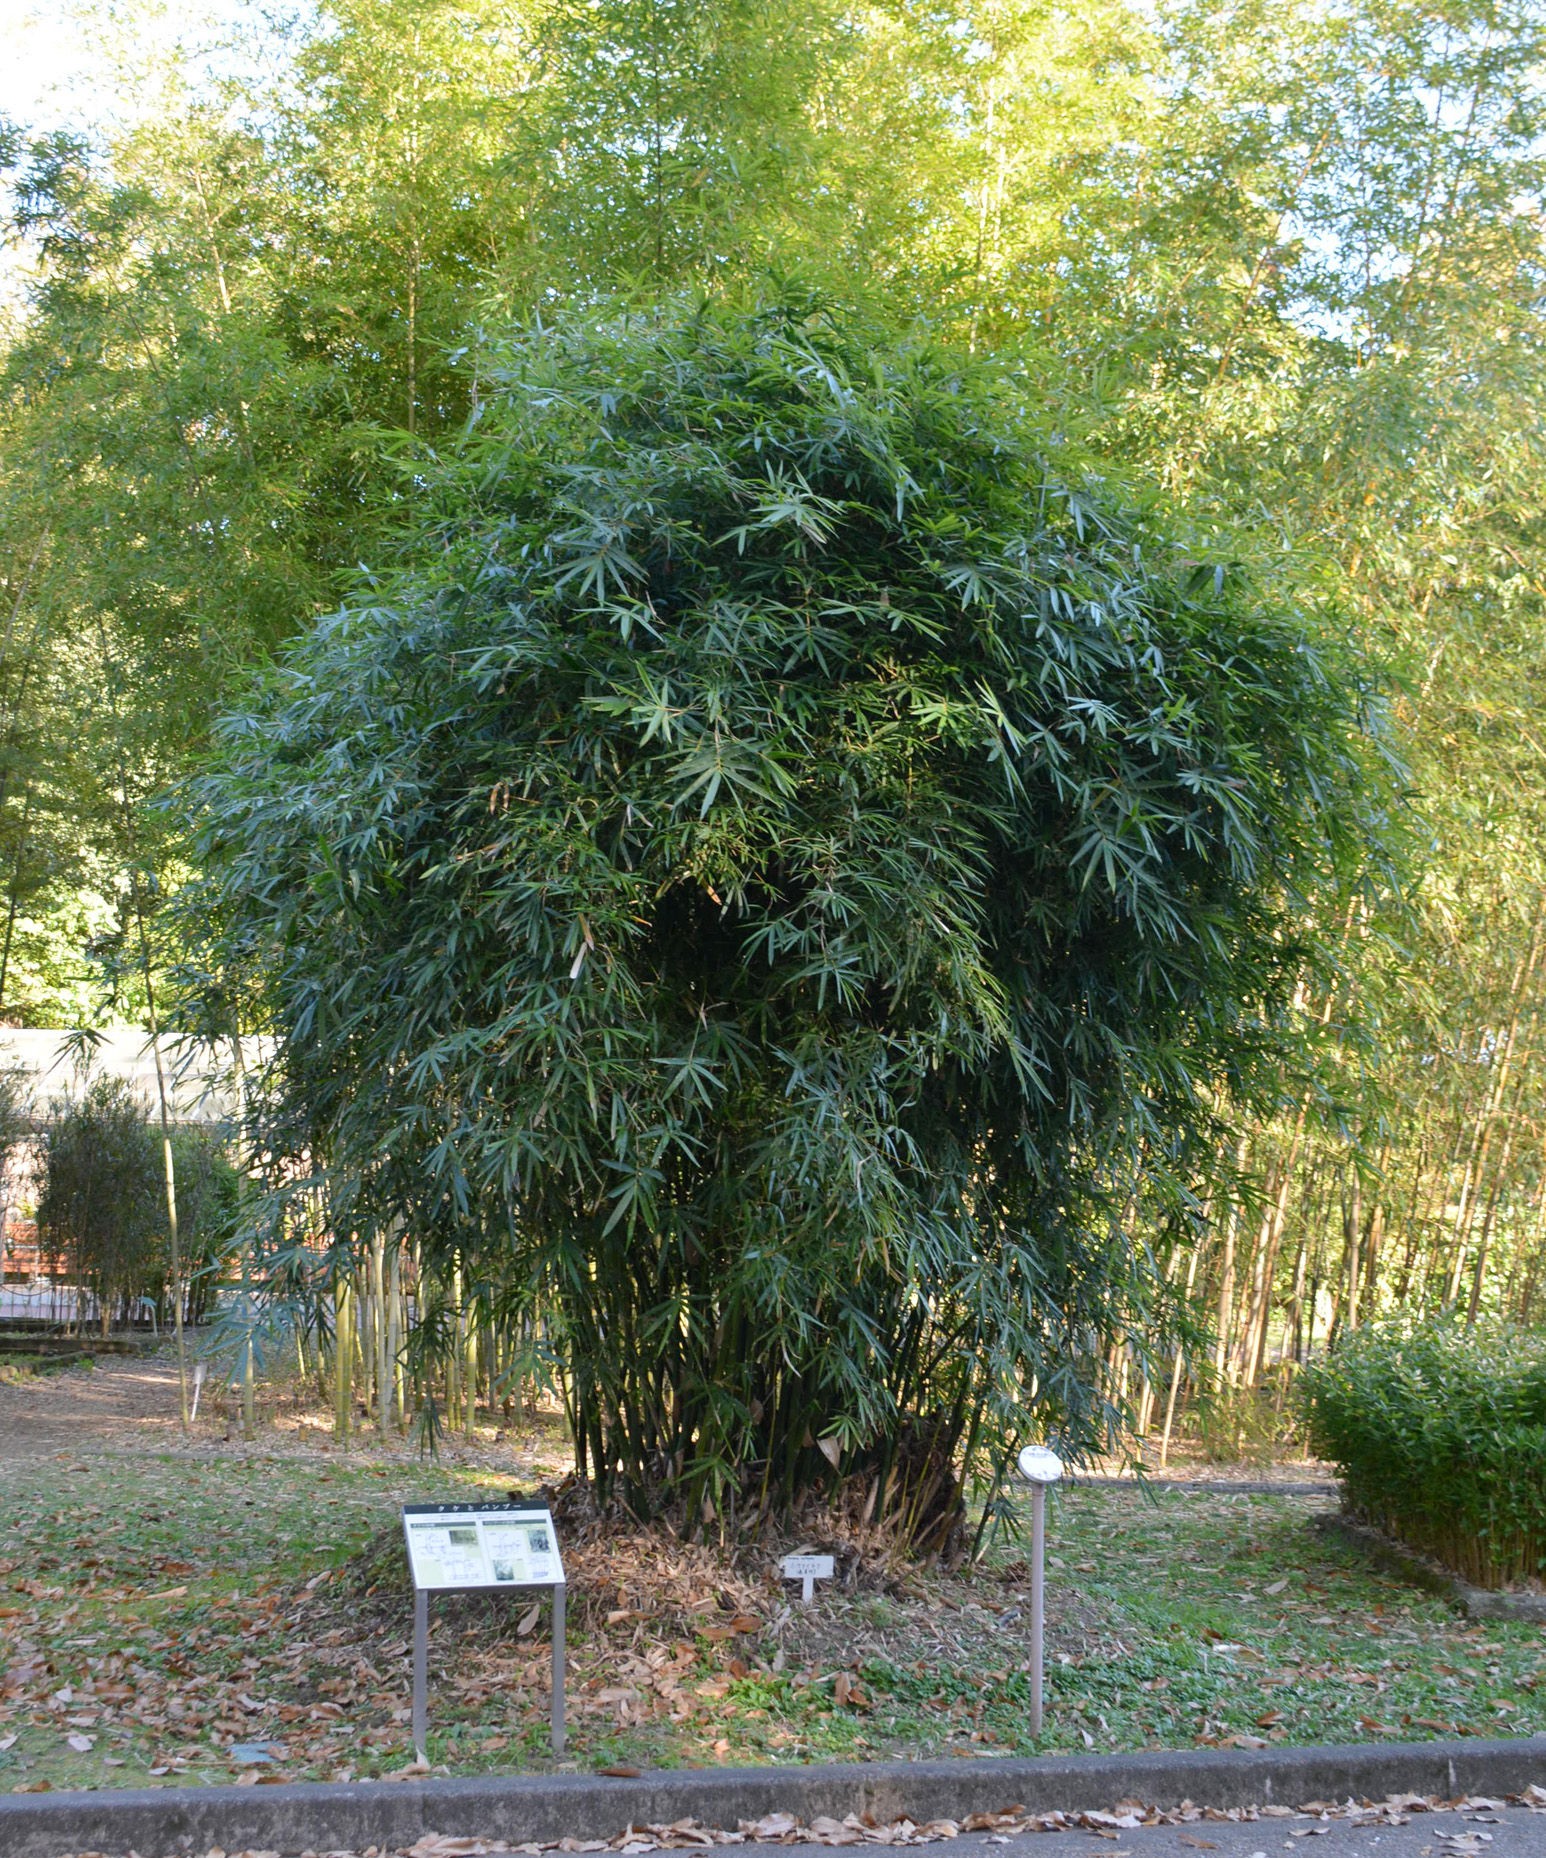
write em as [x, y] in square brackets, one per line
[129, 1404]
[125, 1403]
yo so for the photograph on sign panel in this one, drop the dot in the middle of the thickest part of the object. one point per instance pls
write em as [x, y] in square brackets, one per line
[507, 1551]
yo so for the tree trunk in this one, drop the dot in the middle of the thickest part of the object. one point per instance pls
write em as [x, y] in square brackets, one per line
[1227, 1274]
[174, 1246]
[1471, 1184]
[1352, 1227]
[1483, 1244]
[1177, 1364]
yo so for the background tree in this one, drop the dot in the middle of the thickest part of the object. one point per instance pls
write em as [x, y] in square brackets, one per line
[102, 1209]
[101, 1195]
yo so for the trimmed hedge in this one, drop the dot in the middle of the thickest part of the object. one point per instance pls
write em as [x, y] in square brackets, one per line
[1440, 1435]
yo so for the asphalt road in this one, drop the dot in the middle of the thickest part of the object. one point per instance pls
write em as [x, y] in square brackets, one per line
[1475, 1832]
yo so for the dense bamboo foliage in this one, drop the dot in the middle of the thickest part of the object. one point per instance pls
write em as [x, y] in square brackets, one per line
[1283, 262]
[1439, 1432]
[805, 861]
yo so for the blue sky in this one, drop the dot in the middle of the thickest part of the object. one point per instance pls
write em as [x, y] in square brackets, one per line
[53, 71]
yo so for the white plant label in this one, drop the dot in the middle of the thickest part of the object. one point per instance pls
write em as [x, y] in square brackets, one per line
[808, 1569]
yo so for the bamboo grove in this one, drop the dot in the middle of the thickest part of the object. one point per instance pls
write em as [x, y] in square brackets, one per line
[1279, 265]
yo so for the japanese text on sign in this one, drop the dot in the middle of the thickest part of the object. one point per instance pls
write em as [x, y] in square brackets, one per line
[453, 1545]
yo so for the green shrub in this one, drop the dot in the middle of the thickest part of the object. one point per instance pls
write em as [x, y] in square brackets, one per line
[1440, 1435]
[103, 1203]
[103, 1199]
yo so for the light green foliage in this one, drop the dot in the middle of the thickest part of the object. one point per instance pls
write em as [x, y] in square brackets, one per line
[394, 201]
[794, 854]
[1289, 259]
[1439, 1433]
[684, 138]
[151, 457]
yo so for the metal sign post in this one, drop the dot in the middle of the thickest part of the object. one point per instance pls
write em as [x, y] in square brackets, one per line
[475, 1548]
[1039, 1467]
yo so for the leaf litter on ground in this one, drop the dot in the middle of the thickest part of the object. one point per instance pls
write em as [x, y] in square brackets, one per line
[174, 1610]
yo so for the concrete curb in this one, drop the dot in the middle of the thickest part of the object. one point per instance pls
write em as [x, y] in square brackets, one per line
[1421, 1571]
[393, 1814]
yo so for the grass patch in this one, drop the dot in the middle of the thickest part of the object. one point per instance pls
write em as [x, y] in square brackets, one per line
[159, 1609]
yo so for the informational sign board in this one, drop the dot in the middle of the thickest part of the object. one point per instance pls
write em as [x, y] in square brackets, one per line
[456, 1546]
[464, 1547]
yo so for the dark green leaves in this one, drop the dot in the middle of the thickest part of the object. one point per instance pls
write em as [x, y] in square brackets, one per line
[784, 867]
